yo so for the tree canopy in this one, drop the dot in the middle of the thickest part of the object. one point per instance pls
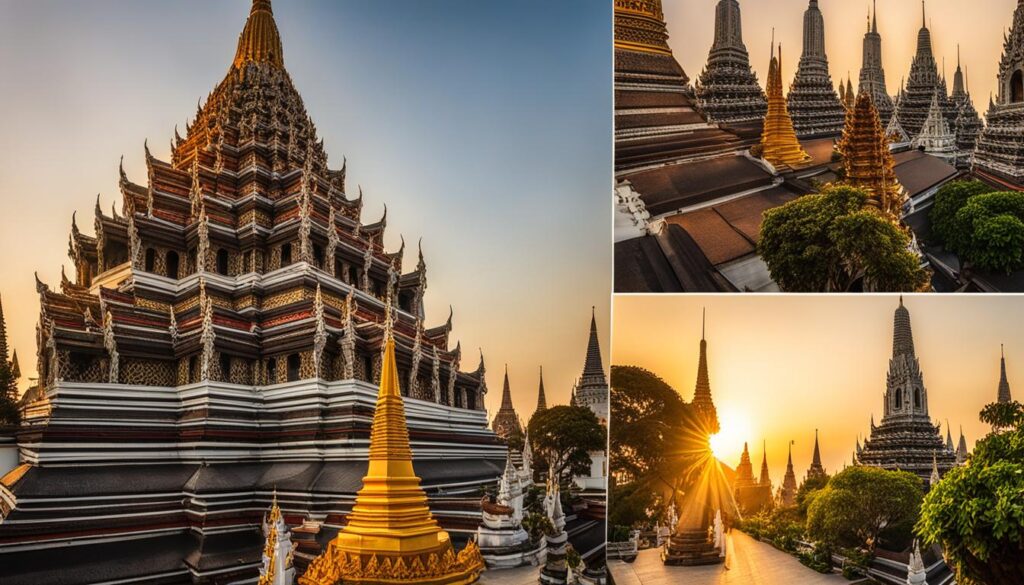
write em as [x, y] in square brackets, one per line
[860, 505]
[9, 414]
[977, 511]
[564, 435]
[833, 242]
[655, 442]
[950, 198]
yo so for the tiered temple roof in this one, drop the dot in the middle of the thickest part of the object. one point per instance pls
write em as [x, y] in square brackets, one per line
[1000, 147]
[968, 124]
[906, 439]
[728, 89]
[867, 160]
[922, 85]
[506, 421]
[779, 144]
[745, 470]
[936, 136]
[872, 75]
[222, 335]
[656, 119]
[812, 100]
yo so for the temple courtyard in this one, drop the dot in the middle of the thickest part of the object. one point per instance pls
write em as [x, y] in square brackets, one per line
[748, 562]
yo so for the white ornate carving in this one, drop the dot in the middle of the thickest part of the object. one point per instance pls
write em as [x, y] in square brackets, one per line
[435, 375]
[320, 336]
[110, 344]
[348, 342]
[208, 334]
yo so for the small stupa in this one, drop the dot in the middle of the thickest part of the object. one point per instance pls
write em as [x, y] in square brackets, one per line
[391, 536]
[779, 145]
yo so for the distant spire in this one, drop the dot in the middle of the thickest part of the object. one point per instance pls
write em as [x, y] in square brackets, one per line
[542, 401]
[1004, 384]
[260, 41]
[816, 469]
[593, 368]
[765, 480]
[3, 335]
[874, 16]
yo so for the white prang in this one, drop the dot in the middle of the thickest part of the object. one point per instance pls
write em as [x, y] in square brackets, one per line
[916, 574]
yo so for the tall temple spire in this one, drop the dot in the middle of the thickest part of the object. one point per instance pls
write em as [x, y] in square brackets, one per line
[506, 421]
[542, 401]
[765, 479]
[816, 469]
[779, 144]
[390, 524]
[1002, 136]
[907, 438]
[260, 41]
[727, 89]
[813, 104]
[872, 74]
[4, 350]
[789, 487]
[1003, 394]
[593, 367]
[702, 391]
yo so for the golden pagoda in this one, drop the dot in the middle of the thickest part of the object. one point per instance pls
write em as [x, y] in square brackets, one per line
[867, 160]
[779, 145]
[391, 536]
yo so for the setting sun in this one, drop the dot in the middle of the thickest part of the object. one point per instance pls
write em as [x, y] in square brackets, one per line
[736, 428]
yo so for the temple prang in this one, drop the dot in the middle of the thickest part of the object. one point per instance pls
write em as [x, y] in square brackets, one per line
[224, 332]
[906, 439]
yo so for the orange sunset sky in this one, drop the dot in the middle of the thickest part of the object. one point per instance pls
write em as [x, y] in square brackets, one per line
[781, 366]
[976, 25]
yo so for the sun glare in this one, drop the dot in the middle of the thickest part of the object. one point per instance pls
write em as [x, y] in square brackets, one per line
[736, 428]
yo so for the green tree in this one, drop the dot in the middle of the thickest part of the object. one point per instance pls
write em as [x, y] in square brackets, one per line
[807, 490]
[861, 505]
[564, 436]
[950, 199]
[831, 242]
[977, 511]
[988, 231]
[9, 413]
[656, 443]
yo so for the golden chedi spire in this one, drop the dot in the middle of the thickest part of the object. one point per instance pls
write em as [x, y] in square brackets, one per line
[391, 536]
[260, 42]
[868, 163]
[779, 145]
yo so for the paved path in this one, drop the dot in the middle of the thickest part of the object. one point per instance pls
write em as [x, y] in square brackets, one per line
[518, 576]
[748, 562]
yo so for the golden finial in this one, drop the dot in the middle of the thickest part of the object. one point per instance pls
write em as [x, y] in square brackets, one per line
[260, 41]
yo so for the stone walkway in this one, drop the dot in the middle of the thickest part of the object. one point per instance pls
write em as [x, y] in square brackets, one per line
[519, 576]
[748, 562]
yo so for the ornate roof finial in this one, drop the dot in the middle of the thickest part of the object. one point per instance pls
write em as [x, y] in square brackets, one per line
[260, 42]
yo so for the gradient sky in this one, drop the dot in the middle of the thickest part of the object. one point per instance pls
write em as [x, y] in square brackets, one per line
[781, 366]
[977, 26]
[484, 126]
